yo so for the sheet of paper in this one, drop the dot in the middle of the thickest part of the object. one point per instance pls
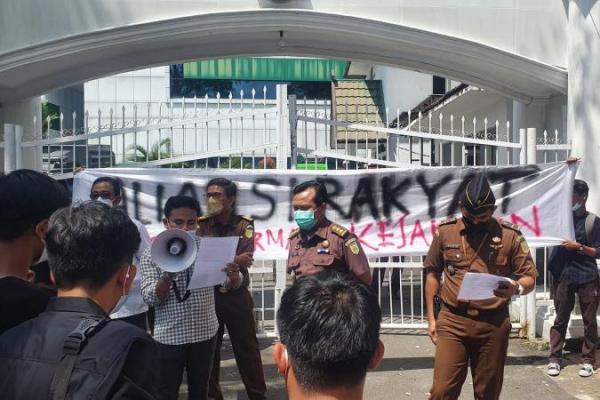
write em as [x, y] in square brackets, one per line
[214, 253]
[479, 286]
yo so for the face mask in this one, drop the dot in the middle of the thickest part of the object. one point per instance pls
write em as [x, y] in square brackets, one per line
[108, 202]
[305, 219]
[43, 257]
[471, 226]
[124, 295]
[576, 207]
[214, 206]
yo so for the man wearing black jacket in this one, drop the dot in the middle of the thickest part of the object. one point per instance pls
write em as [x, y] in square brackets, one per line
[27, 199]
[73, 350]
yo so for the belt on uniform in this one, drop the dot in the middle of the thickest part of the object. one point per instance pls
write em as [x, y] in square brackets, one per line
[473, 312]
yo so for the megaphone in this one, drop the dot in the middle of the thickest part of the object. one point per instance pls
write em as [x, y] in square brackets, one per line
[174, 250]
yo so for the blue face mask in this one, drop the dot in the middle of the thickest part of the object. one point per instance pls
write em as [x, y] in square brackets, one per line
[305, 219]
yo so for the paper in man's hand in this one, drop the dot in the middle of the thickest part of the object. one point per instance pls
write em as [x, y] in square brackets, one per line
[479, 286]
[214, 253]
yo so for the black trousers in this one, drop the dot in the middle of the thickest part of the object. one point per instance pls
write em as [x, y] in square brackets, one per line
[196, 358]
[235, 310]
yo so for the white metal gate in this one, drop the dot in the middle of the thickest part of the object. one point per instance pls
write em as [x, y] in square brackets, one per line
[251, 131]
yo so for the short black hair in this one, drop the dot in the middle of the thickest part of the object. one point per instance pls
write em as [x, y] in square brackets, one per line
[320, 188]
[27, 198]
[88, 243]
[174, 202]
[228, 186]
[581, 187]
[330, 324]
[116, 184]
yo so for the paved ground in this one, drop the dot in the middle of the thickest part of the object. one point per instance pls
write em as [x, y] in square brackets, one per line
[406, 373]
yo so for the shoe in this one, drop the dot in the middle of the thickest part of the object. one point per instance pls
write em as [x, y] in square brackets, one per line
[586, 370]
[553, 369]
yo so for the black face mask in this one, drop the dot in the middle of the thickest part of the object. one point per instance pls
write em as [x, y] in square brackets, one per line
[472, 227]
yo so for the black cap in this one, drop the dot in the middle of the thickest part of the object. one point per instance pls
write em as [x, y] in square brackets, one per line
[581, 187]
[478, 197]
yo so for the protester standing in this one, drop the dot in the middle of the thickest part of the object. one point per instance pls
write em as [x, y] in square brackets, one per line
[73, 349]
[474, 332]
[185, 319]
[27, 199]
[108, 190]
[575, 271]
[319, 316]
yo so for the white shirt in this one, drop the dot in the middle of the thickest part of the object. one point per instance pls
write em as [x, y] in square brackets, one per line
[134, 304]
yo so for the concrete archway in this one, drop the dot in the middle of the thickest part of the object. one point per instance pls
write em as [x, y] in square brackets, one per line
[33, 70]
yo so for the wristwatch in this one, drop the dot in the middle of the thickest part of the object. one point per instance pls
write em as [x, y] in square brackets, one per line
[580, 249]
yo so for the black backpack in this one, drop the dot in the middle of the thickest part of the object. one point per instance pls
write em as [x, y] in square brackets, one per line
[97, 385]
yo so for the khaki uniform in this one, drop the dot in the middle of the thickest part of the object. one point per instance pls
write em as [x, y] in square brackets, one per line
[475, 331]
[330, 246]
[235, 309]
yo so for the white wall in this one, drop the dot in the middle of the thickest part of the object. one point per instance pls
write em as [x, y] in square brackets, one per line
[402, 89]
[141, 87]
[584, 97]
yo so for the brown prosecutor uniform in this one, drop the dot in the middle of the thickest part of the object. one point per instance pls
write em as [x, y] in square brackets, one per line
[475, 330]
[329, 246]
[235, 309]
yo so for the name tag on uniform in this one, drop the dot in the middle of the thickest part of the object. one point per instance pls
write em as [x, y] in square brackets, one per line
[322, 251]
[451, 246]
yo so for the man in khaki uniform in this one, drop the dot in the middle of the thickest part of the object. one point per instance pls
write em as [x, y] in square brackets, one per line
[319, 244]
[233, 302]
[474, 332]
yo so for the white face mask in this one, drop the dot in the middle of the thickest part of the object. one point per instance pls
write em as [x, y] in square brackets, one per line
[43, 257]
[108, 202]
[576, 207]
[124, 296]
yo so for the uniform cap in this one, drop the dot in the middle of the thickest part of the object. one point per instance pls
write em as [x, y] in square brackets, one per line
[477, 196]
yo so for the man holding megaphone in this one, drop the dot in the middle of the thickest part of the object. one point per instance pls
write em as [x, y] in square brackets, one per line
[186, 323]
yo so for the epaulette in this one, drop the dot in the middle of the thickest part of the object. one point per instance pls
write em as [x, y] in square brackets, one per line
[339, 230]
[512, 226]
[294, 233]
[247, 218]
[203, 218]
[448, 221]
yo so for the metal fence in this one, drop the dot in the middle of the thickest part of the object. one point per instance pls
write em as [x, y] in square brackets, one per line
[249, 131]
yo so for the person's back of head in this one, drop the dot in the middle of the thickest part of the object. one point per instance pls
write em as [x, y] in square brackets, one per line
[91, 247]
[28, 198]
[329, 331]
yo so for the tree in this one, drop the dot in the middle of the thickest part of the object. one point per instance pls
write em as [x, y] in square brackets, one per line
[140, 154]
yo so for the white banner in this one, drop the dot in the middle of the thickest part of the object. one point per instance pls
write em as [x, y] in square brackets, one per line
[393, 211]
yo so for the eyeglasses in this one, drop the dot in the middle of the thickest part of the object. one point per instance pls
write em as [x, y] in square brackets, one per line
[103, 195]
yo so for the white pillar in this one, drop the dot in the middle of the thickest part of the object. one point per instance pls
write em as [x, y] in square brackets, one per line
[18, 148]
[22, 113]
[283, 125]
[583, 102]
[531, 145]
[9, 148]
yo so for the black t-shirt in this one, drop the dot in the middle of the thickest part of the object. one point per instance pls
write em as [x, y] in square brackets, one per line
[20, 301]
